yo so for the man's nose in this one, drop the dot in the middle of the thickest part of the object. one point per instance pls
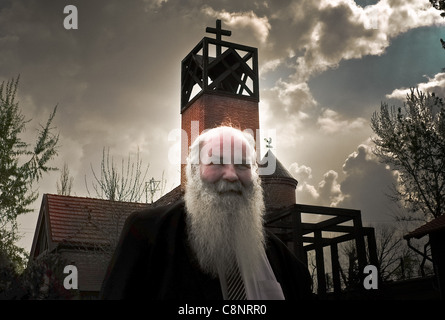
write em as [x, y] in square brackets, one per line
[229, 173]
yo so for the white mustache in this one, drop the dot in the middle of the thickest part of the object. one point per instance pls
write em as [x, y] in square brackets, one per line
[223, 186]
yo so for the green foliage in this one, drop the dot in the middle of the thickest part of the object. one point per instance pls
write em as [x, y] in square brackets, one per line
[15, 178]
[20, 166]
[411, 140]
[41, 280]
[16, 255]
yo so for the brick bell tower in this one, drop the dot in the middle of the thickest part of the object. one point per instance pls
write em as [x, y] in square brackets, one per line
[219, 85]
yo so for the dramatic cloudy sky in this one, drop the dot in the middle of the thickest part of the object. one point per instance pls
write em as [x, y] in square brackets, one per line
[325, 67]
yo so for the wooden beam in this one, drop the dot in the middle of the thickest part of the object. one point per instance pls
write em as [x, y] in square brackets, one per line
[327, 241]
[332, 211]
[322, 225]
[360, 244]
[335, 268]
[372, 247]
[319, 258]
[297, 236]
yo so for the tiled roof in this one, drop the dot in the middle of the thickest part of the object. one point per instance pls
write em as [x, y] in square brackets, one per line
[280, 170]
[434, 225]
[170, 197]
[87, 221]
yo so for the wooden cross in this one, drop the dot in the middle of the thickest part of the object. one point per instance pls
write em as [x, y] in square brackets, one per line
[219, 33]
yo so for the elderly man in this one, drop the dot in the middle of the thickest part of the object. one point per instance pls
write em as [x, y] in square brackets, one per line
[212, 245]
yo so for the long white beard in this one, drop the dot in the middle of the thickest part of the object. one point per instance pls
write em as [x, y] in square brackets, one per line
[225, 219]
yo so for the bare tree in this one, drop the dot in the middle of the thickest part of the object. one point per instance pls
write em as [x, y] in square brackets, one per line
[351, 277]
[65, 182]
[126, 184]
[394, 257]
[121, 186]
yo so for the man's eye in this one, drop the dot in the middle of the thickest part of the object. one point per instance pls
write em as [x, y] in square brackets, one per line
[243, 166]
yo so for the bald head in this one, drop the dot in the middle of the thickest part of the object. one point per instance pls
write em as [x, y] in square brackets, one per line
[224, 153]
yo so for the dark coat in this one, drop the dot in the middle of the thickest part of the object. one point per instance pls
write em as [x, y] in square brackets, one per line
[152, 261]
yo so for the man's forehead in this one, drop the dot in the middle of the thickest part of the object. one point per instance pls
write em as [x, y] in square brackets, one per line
[226, 145]
[225, 138]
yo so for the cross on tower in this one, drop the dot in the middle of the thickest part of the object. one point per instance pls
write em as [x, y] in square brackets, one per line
[219, 32]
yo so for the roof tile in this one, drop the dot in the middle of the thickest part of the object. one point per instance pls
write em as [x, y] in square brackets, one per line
[434, 225]
[87, 221]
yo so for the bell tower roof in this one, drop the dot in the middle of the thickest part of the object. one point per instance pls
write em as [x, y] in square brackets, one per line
[218, 66]
[280, 171]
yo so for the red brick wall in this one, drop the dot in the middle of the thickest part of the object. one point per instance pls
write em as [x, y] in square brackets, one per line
[213, 110]
[279, 193]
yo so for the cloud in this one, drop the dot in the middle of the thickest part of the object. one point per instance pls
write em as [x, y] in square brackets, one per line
[286, 108]
[435, 84]
[302, 172]
[294, 101]
[318, 37]
[306, 193]
[326, 193]
[330, 122]
[346, 30]
[329, 189]
[116, 80]
[366, 185]
[270, 65]
[241, 20]
[294, 96]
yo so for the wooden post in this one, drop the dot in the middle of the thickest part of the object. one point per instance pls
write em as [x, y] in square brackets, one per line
[360, 244]
[319, 258]
[298, 237]
[335, 267]
[372, 248]
[437, 241]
